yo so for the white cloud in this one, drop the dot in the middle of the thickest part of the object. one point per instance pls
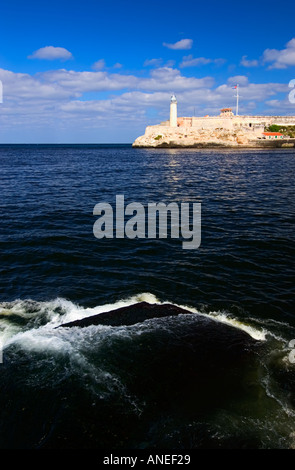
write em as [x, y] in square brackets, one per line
[190, 61]
[51, 53]
[158, 63]
[22, 86]
[64, 86]
[81, 82]
[152, 62]
[99, 64]
[280, 59]
[180, 45]
[171, 80]
[170, 63]
[204, 100]
[57, 100]
[164, 78]
[238, 79]
[249, 63]
[277, 107]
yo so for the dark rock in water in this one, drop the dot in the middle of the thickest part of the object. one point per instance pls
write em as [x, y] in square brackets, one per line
[184, 367]
[204, 333]
[142, 311]
[129, 315]
[160, 377]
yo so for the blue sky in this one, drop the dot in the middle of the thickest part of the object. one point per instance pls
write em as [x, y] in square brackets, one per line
[96, 71]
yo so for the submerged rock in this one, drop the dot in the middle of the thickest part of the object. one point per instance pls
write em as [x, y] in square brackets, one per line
[143, 311]
[152, 376]
[129, 315]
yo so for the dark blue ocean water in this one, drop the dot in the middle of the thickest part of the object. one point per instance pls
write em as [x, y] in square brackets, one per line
[52, 269]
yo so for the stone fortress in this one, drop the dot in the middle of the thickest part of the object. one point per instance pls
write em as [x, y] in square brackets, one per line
[225, 130]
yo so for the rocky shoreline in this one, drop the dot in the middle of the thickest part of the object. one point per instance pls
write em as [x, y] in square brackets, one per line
[185, 137]
[211, 145]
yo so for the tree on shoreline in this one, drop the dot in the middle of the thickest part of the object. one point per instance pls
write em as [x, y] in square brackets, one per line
[287, 130]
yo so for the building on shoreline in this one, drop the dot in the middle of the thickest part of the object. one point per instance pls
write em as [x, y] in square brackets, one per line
[274, 135]
[227, 129]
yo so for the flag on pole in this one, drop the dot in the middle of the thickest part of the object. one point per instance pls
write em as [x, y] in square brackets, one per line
[236, 86]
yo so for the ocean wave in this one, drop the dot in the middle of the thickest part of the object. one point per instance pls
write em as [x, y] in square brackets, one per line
[22, 315]
[103, 361]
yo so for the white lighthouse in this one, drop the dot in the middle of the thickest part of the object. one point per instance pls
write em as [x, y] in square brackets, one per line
[173, 111]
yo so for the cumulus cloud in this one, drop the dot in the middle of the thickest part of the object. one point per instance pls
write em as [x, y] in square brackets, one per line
[190, 61]
[170, 79]
[170, 63]
[157, 63]
[280, 59]
[64, 86]
[51, 53]
[82, 82]
[152, 62]
[20, 87]
[248, 63]
[99, 64]
[277, 107]
[58, 98]
[180, 45]
[240, 79]
[163, 78]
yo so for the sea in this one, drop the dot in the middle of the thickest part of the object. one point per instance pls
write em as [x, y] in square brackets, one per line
[163, 382]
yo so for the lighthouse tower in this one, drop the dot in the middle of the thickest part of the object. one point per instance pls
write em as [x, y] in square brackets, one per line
[173, 111]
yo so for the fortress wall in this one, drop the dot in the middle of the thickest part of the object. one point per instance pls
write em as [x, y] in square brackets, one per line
[212, 123]
[252, 125]
[283, 120]
[154, 131]
[265, 120]
[239, 121]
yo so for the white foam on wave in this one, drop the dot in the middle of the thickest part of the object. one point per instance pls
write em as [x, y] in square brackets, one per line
[74, 312]
[54, 313]
[259, 335]
[39, 340]
[221, 317]
[60, 311]
[74, 345]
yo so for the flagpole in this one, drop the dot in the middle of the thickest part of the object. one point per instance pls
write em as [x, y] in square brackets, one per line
[237, 109]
